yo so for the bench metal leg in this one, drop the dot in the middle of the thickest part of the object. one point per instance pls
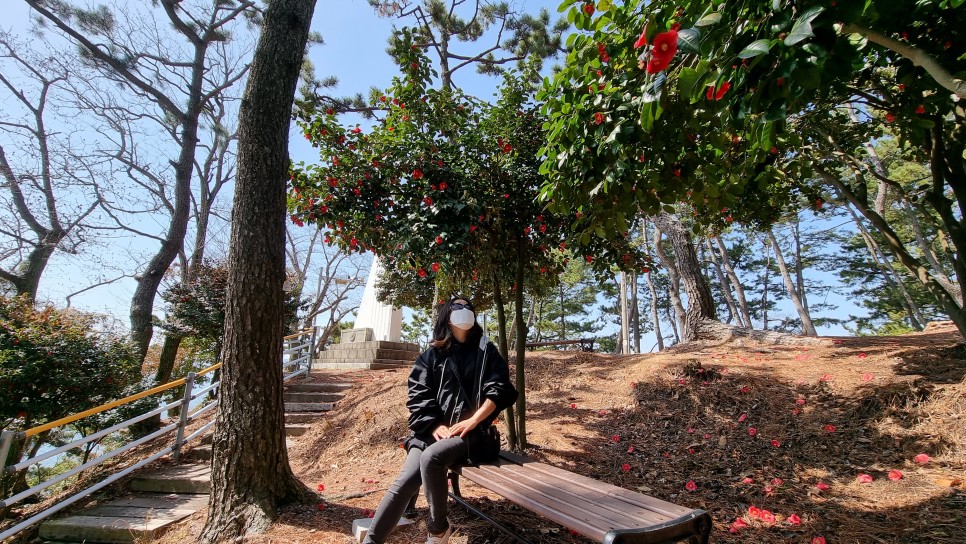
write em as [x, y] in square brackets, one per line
[458, 497]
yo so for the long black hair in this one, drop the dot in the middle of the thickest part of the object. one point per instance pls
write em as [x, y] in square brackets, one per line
[443, 336]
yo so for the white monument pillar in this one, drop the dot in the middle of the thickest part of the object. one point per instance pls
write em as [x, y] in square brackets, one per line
[384, 320]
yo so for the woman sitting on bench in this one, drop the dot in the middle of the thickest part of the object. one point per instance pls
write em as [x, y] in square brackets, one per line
[457, 388]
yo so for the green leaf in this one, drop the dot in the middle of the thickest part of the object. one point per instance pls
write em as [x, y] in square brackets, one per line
[604, 5]
[709, 19]
[767, 136]
[689, 83]
[802, 30]
[689, 40]
[755, 48]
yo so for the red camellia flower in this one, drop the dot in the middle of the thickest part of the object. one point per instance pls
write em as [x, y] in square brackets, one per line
[754, 511]
[830, 428]
[720, 92]
[422, 273]
[656, 65]
[527, 230]
[794, 519]
[665, 45]
[321, 487]
[776, 443]
[822, 486]
[630, 449]
[320, 506]
[825, 377]
[443, 186]
[766, 516]
[800, 402]
[435, 267]
[589, 259]
[896, 475]
[864, 479]
[922, 458]
[439, 240]
[742, 417]
[573, 405]
[642, 40]
[819, 540]
[626, 467]
[428, 201]
[752, 431]
[691, 486]
[615, 438]
[738, 525]
[598, 118]
[589, 8]
[920, 109]
[748, 480]
[356, 130]
[867, 377]
[890, 118]
[417, 174]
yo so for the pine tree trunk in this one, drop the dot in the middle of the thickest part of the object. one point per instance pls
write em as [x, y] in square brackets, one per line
[675, 282]
[799, 268]
[764, 287]
[625, 346]
[735, 282]
[635, 314]
[654, 314]
[807, 327]
[725, 288]
[700, 303]
[889, 275]
[250, 473]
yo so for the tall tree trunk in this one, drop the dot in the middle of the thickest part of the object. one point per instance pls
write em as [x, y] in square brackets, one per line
[808, 329]
[635, 314]
[654, 314]
[674, 279]
[799, 267]
[889, 274]
[563, 314]
[511, 423]
[521, 345]
[735, 282]
[625, 345]
[250, 474]
[700, 303]
[725, 288]
[765, 286]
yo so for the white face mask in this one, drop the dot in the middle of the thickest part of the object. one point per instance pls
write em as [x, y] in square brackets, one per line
[464, 318]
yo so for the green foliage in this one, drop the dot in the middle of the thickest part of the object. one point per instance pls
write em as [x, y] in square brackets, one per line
[196, 307]
[53, 364]
[444, 189]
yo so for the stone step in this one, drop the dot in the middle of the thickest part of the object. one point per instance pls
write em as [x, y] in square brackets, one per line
[308, 406]
[366, 353]
[140, 518]
[175, 479]
[296, 430]
[361, 364]
[375, 344]
[197, 453]
[303, 417]
[312, 397]
[317, 387]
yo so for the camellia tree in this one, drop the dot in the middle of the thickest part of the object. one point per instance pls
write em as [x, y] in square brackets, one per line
[714, 108]
[444, 191]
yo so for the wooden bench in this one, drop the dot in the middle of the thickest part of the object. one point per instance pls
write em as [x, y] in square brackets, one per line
[600, 511]
[586, 344]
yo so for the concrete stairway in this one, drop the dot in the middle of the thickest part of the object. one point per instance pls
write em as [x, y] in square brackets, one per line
[168, 495]
[370, 355]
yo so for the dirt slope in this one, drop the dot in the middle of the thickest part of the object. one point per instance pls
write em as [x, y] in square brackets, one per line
[754, 427]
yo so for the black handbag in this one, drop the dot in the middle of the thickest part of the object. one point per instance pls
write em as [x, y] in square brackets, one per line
[483, 445]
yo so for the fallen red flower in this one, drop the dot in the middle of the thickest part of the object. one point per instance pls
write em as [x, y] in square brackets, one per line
[626, 467]
[830, 428]
[794, 519]
[822, 486]
[691, 486]
[896, 475]
[922, 458]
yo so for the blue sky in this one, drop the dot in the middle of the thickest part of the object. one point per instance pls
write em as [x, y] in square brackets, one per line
[354, 51]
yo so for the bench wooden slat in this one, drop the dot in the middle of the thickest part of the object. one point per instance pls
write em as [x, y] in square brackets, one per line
[668, 509]
[579, 520]
[598, 510]
[622, 512]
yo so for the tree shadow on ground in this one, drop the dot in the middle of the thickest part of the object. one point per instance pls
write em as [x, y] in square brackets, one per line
[782, 439]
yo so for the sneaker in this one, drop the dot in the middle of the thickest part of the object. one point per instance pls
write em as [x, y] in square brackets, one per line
[440, 539]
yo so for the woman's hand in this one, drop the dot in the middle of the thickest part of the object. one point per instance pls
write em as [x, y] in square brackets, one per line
[442, 432]
[463, 428]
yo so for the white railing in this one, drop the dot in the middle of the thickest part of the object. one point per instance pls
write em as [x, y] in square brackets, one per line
[296, 361]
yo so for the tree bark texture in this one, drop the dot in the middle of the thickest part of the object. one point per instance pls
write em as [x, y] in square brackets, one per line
[251, 476]
[725, 288]
[511, 422]
[674, 280]
[521, 345]
[700, 303]
[807, 327]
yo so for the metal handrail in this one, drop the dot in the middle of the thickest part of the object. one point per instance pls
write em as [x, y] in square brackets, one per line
[298, 355]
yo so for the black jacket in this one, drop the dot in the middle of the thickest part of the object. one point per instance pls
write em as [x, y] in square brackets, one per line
[446, 387]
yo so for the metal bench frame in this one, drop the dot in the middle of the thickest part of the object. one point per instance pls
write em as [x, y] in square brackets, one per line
[694, 527]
